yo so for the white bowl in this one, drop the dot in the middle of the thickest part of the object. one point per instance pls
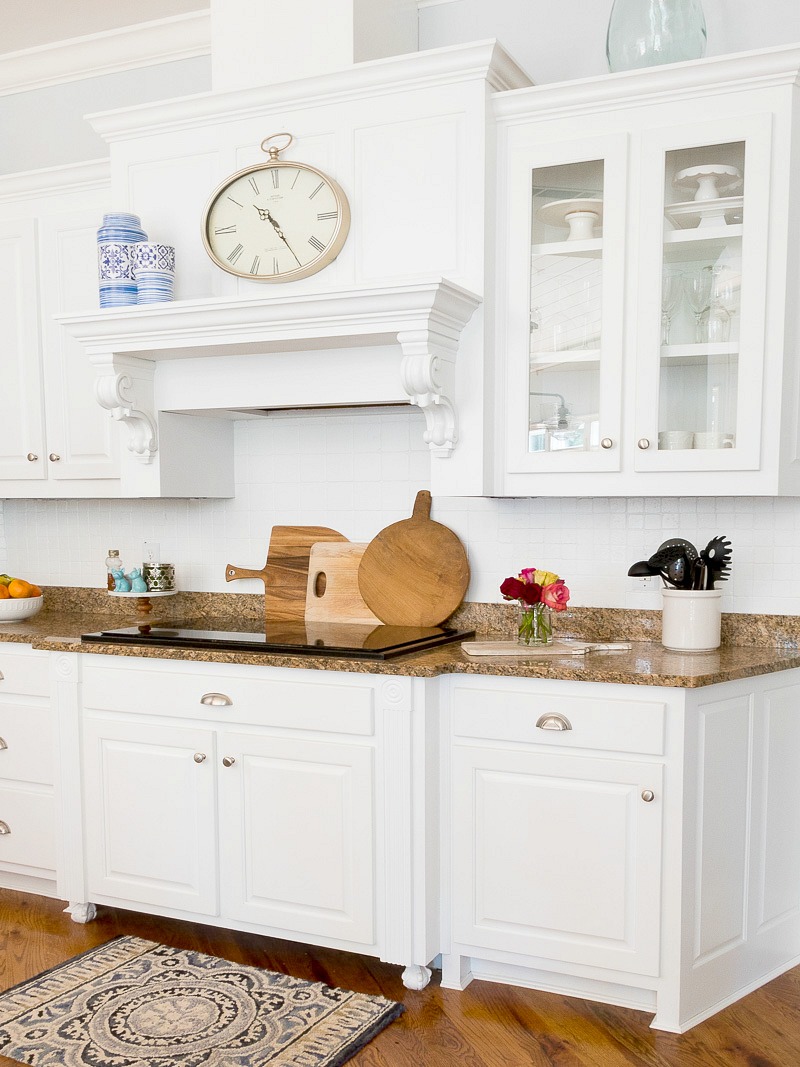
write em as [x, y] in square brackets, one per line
[25, 607]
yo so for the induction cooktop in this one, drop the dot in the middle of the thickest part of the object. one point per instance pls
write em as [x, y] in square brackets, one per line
[346, 640]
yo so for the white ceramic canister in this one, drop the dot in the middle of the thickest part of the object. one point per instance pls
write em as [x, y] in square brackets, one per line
[691, 619]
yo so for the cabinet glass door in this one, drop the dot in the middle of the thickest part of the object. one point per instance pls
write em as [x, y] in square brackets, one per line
[563, 398]
[710, 269]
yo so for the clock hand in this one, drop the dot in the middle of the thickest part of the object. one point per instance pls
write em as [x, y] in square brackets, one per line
[265, 216]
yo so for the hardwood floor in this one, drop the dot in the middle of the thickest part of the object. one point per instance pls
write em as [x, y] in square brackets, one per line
[485, 1026]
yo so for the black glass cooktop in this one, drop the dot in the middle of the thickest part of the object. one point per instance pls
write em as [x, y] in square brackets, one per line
[327, 639]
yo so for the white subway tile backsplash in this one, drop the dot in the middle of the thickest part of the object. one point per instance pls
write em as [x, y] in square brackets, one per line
[357, 473]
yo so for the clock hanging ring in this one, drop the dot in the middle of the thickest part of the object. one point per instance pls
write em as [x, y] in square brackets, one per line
[277, 221]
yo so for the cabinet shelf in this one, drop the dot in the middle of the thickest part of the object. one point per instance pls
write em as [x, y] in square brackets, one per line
[699, 244]
[586, 249]
[576, 355]
[696, 355]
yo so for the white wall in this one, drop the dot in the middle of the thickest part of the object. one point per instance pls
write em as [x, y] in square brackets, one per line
[358, 473]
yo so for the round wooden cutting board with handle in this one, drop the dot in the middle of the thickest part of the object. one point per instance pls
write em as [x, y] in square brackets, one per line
[415, 572]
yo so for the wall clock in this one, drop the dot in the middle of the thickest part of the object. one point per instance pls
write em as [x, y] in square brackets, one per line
[276, 221]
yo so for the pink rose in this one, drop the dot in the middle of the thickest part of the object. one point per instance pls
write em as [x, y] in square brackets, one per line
[528, 574]
[556, 595]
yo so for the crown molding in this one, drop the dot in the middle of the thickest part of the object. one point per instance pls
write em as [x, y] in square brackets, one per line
[69, 178]
[484, 61]
[141, 45]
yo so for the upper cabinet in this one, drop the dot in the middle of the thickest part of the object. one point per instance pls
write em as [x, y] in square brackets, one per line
[646, 307]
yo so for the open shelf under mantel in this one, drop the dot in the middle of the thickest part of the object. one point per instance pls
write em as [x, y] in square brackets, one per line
[421, 320]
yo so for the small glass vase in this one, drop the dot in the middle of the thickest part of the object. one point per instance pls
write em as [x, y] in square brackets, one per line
[535, 625]
[646, 33]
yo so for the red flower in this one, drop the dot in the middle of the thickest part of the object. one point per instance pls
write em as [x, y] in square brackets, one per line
[531, 593]
[512, 589]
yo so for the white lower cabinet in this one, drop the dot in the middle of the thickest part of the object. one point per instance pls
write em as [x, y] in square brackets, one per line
[264, 799]
[27, 805]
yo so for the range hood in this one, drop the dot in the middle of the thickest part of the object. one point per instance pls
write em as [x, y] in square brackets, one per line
[345, 347]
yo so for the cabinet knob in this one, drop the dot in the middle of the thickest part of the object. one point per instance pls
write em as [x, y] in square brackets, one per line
[648, 796]
[228, 761]
[553, 722]
[4, 828]
[216, 700]
[54, 457]
[199, 757]
[3, 743]
[643, 443]
[606, 443]
[32, 457]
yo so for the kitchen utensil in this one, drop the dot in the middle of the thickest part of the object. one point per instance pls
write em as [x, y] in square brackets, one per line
[415, 572]
[556, 648]
[717, 555]
[642, 569]
[699, 575]
[285, 574]
[678, 571]
[332, 593]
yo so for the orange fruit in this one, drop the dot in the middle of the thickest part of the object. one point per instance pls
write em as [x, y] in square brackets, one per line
[4, 593]
[35, 591]
[19, 588]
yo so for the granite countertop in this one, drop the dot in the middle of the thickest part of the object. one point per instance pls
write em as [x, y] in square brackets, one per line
[646, 663]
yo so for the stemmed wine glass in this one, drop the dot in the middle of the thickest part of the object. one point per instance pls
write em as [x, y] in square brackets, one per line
[724, 302]
[670, 295]
[697, 287]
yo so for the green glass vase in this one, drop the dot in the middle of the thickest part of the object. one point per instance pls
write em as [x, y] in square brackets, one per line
[646, 33]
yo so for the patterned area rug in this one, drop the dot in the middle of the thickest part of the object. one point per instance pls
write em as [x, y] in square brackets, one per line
[135, 1003]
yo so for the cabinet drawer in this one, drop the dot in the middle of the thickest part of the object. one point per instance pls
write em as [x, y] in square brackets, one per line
[231, 697]
[30, 818]
[586, 722]
[24, 672]
[26, 743]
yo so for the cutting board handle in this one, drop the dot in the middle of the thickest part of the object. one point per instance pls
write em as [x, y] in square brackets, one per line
[232, 573]
[422, 506]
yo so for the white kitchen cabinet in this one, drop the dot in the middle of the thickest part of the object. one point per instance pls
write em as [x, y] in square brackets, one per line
[557, 848]
[54, 439]
[27, 806]
[262, 799]
[634, 845]
[646, 321]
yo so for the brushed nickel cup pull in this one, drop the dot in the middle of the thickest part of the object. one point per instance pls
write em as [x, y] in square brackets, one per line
[553, 722]
[54, 457]
[648, 796]
[606, 443]
[4, 828]
[32, 457]
[3, 743]
[199, 757]
[643, 443]
[216, 700]
[228, 761]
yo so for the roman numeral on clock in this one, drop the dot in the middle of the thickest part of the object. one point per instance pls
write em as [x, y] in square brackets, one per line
[275, 269]
[276, 178]
[225, 229]
[254, 184]
[322, 215]
[235, 202]
[255, 265]
[316, 243]
[234, 255]
[312, 195]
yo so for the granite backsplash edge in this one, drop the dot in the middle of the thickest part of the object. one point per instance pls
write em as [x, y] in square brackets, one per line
[497, 620]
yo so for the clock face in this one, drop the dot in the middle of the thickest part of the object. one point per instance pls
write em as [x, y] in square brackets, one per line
[277, 222]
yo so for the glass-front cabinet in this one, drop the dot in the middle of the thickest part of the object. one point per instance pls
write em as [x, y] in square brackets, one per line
[645, 316]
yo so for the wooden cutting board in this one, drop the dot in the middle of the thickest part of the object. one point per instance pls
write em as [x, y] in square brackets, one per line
[332, 593]
[415, 572]
[285, 574]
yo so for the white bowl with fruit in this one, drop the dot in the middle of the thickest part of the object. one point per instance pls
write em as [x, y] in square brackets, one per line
[19, 599]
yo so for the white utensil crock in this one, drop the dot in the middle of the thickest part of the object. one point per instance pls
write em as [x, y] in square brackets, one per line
[690, 619]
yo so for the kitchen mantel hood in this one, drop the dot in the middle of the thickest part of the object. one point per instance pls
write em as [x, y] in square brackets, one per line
[422, 321]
